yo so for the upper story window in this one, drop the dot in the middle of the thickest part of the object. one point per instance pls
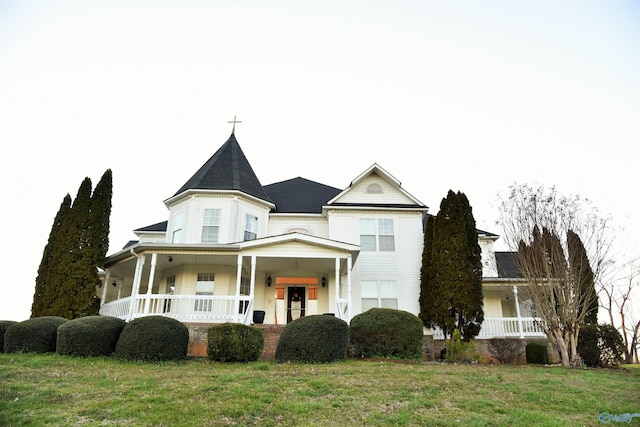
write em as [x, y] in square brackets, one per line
[210, 226]
[250, 227]
[178, 228]
[377, 235]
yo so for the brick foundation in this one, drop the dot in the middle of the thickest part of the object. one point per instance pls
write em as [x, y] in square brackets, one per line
[430, 348]
[198, 339]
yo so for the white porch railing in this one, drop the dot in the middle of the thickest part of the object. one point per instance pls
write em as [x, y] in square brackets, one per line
[185, 308]
[505, 327]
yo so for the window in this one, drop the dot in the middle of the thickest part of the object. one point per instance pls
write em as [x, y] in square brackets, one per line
[379, 294]
[178, 221]
[210, 226]
[251, 227]
[204, 286]
[377, 235]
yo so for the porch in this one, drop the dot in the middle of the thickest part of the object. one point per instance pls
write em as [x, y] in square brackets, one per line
[505, 327]
[194, 308]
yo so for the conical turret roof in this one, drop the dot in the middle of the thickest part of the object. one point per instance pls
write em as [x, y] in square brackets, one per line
[227, 169]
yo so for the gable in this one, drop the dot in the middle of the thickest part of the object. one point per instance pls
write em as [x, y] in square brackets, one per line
[376, 187]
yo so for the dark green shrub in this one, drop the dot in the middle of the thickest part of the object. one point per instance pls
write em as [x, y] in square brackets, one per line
[537, 352]
[234, 342]
[315, 339]
[383, 332]
[506, 350]
[89, 336]
[153, 339]
[600, 346]
[4, 324]
[588, 345]
[36, 335]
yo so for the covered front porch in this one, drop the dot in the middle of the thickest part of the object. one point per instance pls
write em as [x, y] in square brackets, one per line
[509, 312]
[249, 282]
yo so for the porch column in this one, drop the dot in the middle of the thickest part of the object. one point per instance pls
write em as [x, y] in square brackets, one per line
[135, 287]
[107, 277]
[252, 289]
[238, 280]
[515, 297]
[337, 281]
[152, 273]
[349, 302]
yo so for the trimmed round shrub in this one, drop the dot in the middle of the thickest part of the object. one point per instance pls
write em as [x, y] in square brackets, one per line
[153, 339]
[89, 336]
[313, 339]
[537, 352]
[35, 335]
[234, 342]
[4, 324]
[384, 332]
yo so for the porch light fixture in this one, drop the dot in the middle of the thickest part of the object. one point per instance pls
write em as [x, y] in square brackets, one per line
[170, 259]
[269, 280]
[324, 281]
[114, 284]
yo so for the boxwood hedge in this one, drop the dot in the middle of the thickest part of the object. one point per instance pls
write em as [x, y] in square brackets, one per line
[35, 335]
[234, 342]
[153, 338]
[316, 338]
[89, 336]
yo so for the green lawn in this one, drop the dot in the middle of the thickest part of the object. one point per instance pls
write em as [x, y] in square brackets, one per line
[52, 390]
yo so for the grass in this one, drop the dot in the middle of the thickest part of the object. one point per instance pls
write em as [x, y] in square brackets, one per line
[53, 390]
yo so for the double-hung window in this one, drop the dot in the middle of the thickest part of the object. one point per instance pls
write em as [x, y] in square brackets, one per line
[377, 235]
[210, 226]
[379, 294]
[178, 224]
[250, 227]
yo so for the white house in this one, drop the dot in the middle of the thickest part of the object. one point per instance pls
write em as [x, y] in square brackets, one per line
[233, 250]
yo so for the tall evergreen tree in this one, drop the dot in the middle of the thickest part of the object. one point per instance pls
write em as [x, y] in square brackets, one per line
[582, 273]
[451, 288]
[428, 307]
[44, 270]
[68, 286]
[70, 269]
[99, 218]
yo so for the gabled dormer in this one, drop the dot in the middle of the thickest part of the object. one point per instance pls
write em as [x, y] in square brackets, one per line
[375, 187]
[223, 202]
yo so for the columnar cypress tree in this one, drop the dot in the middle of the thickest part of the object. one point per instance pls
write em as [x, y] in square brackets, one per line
[99, 218]
[44, 270]
[580, 268]
[66, 285]
[451, 288]
[428, 303]
[71, 270]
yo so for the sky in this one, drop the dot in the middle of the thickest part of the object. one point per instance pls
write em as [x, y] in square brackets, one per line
[471, 96]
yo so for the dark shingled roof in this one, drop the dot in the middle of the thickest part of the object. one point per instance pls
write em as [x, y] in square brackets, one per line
[507, 265]
[160, 226]
[227, 169]
[300, 195]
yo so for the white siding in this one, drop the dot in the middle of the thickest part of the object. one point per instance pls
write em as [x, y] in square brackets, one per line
[316, 225]
[233, 209]
[389, 194]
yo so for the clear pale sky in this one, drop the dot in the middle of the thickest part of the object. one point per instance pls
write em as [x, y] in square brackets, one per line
[469, 96]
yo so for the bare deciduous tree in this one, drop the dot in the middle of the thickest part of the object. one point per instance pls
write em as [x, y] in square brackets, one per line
[618, 302]
[562, 246]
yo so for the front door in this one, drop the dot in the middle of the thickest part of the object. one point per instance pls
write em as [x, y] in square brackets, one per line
[295, 302]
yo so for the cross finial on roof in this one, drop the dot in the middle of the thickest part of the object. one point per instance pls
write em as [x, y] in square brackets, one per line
[233, 130]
